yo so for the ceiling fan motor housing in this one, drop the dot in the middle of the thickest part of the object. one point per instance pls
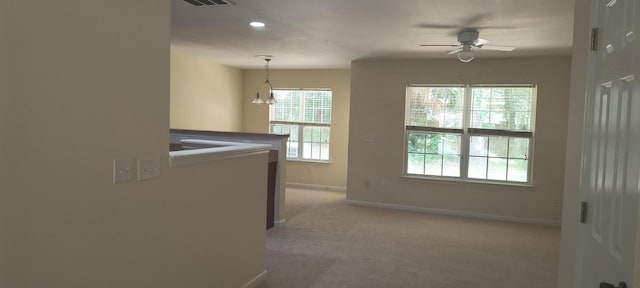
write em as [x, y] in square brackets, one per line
[468, 36]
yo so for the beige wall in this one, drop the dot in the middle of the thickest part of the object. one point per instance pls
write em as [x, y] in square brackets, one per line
[256, 119]
[5, 142]
[88, 81]
[204, 95]
[377, 109]
[637, 280]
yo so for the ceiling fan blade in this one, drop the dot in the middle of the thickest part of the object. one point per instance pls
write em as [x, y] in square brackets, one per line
[454, 51]
[437, 26]
[436, 45]
[493, 27]
[498, 48]
[480, 42]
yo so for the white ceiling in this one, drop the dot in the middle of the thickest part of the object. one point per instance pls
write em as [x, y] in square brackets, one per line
[307, 34]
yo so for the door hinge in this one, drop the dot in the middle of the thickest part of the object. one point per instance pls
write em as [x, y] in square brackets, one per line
[594, 39]
[583, 211]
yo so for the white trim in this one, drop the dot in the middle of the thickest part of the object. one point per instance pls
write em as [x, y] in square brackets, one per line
[280, 222]
[316, 187]
[221, 150]
[455, 213]
[256, 280]
[456, 180]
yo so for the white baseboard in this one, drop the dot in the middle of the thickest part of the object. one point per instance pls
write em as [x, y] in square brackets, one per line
[316, 187]
[279, 222]
[456, 213]
[256, 280]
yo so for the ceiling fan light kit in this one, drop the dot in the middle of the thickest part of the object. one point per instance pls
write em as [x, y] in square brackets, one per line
[466, 56]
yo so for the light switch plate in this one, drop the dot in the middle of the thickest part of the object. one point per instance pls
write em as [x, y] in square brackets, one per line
[122, 170]
[148, 168]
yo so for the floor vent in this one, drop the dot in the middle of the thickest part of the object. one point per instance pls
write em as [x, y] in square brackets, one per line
[210, 2]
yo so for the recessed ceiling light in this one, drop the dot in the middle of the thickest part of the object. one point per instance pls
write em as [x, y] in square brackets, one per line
[256, 24]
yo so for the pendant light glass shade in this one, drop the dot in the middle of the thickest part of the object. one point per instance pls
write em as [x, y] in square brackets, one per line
[271, 100]
[257, 100]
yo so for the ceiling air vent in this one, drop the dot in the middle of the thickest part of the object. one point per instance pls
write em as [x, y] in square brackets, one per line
[209, 2]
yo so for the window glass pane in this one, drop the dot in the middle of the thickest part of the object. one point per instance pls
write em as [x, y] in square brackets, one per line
[317, 106]
[316, 139]
[440, 107]
[478, 146]
[324, 151]
[306, 150]
[416, 142]
[440, 153]
[497, 169]
[518, 148]
[415, 163]
[521, 121]
[292, 142]
[517, 170]
[451, 166]
[498, 146]
[451, 144]
[480, 119]
[315, 150]
[433, 165]
[504, 108]
[477, 167]
[287, 107]
[433, 143]
[324, 135]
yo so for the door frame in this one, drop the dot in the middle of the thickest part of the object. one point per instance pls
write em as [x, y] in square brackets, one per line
[587, 113]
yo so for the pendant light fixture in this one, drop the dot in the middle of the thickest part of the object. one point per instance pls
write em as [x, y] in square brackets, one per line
[271, 100]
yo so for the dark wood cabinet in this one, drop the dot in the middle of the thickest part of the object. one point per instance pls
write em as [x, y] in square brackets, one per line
[271, 187]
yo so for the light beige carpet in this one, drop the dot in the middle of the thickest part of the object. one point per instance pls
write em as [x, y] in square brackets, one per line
[327, 243]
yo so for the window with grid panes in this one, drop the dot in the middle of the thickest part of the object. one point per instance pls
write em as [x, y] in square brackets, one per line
[477, 133]
[305, 115]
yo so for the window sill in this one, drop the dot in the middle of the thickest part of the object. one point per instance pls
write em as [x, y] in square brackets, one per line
[467, 181]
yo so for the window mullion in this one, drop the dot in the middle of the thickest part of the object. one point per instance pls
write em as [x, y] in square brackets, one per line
[300, 141]
[508, 152]
[486, 167]
[529, 162]
[302, 109]
[466, 123]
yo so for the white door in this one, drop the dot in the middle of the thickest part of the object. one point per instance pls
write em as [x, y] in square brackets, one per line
[611, 163]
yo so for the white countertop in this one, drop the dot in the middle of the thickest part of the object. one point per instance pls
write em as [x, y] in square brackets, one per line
[199, 151]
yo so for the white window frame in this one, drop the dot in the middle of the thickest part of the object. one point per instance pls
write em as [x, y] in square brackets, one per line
[301, 125]
[466, 132]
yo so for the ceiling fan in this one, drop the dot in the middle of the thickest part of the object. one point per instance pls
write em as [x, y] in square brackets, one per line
[469, 40]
